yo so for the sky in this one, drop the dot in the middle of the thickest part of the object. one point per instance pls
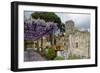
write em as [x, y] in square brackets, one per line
[82, 21]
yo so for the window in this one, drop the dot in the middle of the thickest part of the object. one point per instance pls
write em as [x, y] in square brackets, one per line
[76, 44]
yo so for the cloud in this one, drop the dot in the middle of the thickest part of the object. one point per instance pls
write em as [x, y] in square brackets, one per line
[81, 20]
[27, 14]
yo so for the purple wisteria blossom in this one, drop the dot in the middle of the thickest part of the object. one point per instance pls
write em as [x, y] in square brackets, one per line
[33, 30]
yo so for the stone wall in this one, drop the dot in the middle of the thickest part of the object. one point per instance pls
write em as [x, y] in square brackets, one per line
[77, 42]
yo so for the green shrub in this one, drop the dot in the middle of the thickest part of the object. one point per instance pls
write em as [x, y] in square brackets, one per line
[50, 54]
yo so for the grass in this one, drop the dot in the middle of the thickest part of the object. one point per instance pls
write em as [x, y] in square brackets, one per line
[71, 57]
[59, 58]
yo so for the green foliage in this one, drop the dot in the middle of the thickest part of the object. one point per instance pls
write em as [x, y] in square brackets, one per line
[73, 57]
[62, 27]
[47, 16]
[59, 58]
[50, 54]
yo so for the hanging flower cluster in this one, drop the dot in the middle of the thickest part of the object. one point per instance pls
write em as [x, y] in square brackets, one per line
[35, 29]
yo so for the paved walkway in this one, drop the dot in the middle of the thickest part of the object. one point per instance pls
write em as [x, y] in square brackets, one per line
[31, 55]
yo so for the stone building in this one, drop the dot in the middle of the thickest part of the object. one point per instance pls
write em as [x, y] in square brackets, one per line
[77, 42]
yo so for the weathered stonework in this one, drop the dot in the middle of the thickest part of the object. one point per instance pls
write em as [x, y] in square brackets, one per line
[77, 42]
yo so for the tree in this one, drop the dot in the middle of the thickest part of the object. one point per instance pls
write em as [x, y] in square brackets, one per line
[62, 27]
[48, 17]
